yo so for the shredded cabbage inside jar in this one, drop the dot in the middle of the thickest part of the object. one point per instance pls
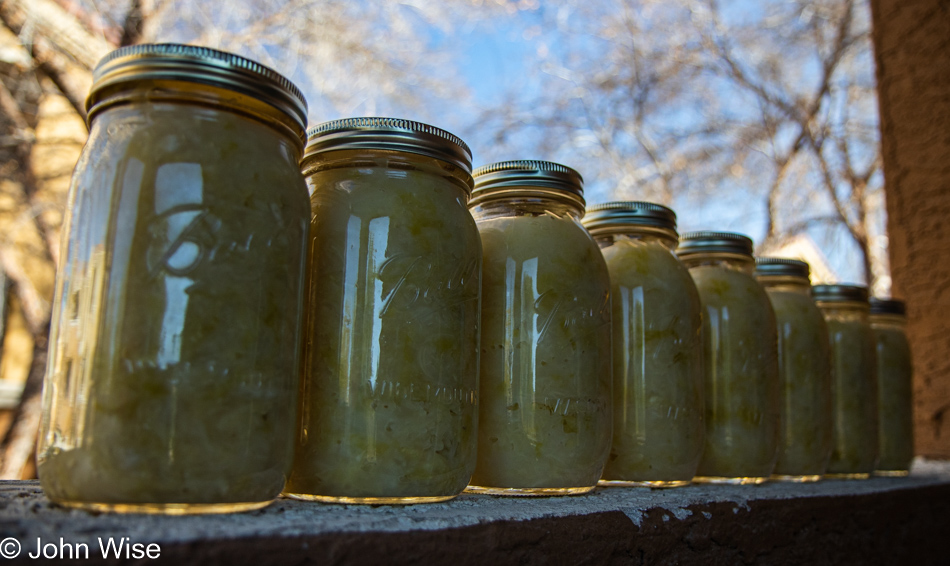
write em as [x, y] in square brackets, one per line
[544, 420]
[389, 389]
[658, 367]
[855, 396]
[895, 374]
[174, 360]
[742, 382]
[807, 428]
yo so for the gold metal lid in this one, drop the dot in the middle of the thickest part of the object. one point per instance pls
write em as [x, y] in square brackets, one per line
[389, 134]
[517, 178]
[611, 216]
[781, 267]
[714, 242]
[881, 305]
[164, 62]
[840, 293]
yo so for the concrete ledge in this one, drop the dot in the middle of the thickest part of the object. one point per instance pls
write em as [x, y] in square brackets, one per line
[878, 521]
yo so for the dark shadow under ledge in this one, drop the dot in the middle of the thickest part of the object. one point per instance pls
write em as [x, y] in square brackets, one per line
[877, 521]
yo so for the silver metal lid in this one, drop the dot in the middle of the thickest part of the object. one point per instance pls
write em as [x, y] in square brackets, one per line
[880, 305]
[714, 242]
[130, 65]
[508, 178]
[780, 267]
[389, 134]
[838, 293]
[612, 215]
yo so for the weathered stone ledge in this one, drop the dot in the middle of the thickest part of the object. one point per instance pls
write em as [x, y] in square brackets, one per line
[877, 521]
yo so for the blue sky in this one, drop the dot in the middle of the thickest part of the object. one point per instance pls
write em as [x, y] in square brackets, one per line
[495, 63]
[496, 58]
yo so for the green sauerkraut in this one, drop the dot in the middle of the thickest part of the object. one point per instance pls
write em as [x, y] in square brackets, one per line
[173, 368]
[544, 420]
[807, 428]
[658, 429]
[389, 389]
[742, 382]
[894, 377]
[855, 393]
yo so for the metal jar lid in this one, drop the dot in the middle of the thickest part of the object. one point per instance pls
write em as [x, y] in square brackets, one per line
[840, 293]
[127, 66]
[880, 305]
[614, 216]
[780, 267]
[693, 243]
[517, 178]
[388, 134]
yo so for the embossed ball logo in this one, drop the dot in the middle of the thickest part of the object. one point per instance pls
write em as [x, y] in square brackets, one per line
[178, 245]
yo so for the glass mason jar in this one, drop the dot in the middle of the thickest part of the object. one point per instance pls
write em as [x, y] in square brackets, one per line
[544, 419]
[388, 396]
[846, 309]
[806, 431]
[658, 429]
[174, 339]
[741, 360]
[895, 387]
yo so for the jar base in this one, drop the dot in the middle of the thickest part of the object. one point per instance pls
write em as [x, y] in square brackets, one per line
[529, 491]
[655, 484]
[892, 473]
[744, 480]
[795, 478]
[165, 508]
[843, 476]
[369, 500]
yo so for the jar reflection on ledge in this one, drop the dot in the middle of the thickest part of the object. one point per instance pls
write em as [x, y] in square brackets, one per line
[389, 389]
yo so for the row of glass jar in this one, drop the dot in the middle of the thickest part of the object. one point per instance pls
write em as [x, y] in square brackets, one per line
[192, 288]
[796, 412]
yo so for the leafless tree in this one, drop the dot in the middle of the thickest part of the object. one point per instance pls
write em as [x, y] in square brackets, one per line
[769, 106]
[816, 104]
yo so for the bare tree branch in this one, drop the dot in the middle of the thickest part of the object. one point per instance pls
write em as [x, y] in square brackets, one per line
[65, 34]
[36, 307]
[59, 44]
[133, 24]
[19, 443]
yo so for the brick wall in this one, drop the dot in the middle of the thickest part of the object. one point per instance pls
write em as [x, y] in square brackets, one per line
[912, 50]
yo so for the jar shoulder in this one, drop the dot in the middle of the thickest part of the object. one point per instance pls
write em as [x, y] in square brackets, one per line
[794, 306]
[650, 265]
[190, 132]
[558, 247]
[718, 285]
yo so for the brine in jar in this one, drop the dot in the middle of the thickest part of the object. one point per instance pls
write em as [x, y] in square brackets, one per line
[544, 419]
[173, 364]
[388, 395]
[741, 360]
[895, 387]
[658, 428]
[845, 308]
[807, 429]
